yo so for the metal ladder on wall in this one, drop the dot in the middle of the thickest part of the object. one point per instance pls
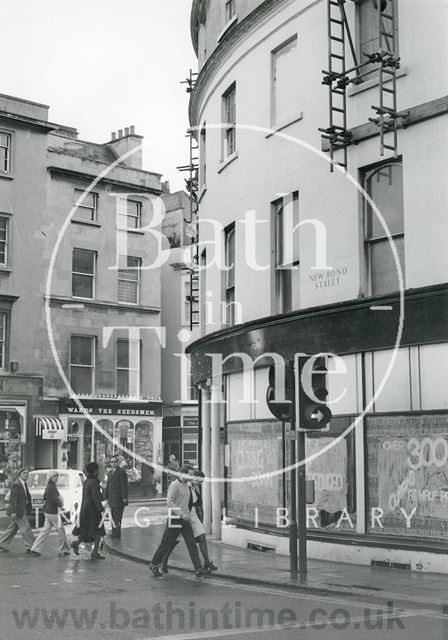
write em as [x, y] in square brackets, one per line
[335, 77]
[338, 78]
[192, 187]
[388, 116]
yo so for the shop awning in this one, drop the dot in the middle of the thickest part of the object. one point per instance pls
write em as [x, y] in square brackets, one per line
[49, 428]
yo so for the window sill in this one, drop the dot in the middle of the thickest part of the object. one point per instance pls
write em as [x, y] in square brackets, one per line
[202, 193]
[6, 176]
[5, 270]
[225, 163]
[227, 26]
[284, 125]
[89, 223]
[138, 232]
[374, 82]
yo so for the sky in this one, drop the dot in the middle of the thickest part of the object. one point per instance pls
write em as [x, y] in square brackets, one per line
[102, 65]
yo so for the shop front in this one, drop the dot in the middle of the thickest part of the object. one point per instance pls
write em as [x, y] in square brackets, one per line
[133, 430]
[377, 477]
[13, 420]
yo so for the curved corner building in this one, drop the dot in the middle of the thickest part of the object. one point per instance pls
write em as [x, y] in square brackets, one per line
[296, 258]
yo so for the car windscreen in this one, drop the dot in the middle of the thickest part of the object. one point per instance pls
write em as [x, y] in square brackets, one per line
[38, 480]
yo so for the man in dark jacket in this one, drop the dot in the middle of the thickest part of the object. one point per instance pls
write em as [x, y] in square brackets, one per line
[19, 506]
[117, 495]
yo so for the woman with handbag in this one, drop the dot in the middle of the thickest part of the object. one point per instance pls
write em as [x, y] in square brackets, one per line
[53, 502]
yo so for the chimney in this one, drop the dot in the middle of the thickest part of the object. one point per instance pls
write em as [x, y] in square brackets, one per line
[123, 144]
[113, 136]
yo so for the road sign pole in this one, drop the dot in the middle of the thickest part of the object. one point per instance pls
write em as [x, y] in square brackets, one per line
[301, 483]
[301, 491]
[293, 492]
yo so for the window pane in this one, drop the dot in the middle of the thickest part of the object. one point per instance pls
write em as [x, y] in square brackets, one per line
[122, 382]
[127, 291]
[230, 257]
[123, 354]
[82, 286]
[385, 187]
[83, 261]
[3, 159]
[384, 277]
[81, 350]
[81, 379]
[4, 139]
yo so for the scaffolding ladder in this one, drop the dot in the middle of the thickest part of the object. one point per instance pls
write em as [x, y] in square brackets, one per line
[387, 114]
[192, 187]
[335, 77]
[338, 77]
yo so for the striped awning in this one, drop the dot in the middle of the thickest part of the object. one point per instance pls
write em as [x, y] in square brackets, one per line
[49, 428]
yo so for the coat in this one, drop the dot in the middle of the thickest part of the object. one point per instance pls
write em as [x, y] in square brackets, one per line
[19, 501]
[117, 488]
[91, 514]
[52, 499]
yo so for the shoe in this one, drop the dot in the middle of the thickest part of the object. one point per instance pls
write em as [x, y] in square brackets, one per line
[209, 567]
[4, 549]
[155, 570]
[34, 553]
[75, 546]
[28, 550]
[64, 553]
[199, 573]
[164, 568]
[97, 556]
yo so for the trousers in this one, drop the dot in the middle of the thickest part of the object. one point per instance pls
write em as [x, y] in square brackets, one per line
[170, 536]
[52, 521]
[19, 524]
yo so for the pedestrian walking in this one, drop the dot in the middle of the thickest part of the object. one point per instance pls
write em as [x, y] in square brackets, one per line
[197, 519]
[53, 520]
[117, 495]
[179, 522]
[90, 527]
[18, 508]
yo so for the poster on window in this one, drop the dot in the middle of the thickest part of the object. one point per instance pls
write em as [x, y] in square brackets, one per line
[328, 472]
[255, 451]
[408, 475]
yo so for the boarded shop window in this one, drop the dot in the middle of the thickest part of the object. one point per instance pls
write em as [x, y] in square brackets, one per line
[287, 258]
[82, 364]
[128, 367]
[384, 184]
[255, 450]
[285, 83]
[88, 208]
[407, 465]
[129, 280]
[83, 273]
[331, 480]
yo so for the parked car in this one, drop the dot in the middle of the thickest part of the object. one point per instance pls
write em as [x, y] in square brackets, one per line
[69, 485]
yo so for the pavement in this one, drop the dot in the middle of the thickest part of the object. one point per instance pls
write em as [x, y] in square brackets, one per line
[272, 570]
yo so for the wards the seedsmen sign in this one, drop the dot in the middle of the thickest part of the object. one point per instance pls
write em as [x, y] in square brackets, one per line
[102, 408]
